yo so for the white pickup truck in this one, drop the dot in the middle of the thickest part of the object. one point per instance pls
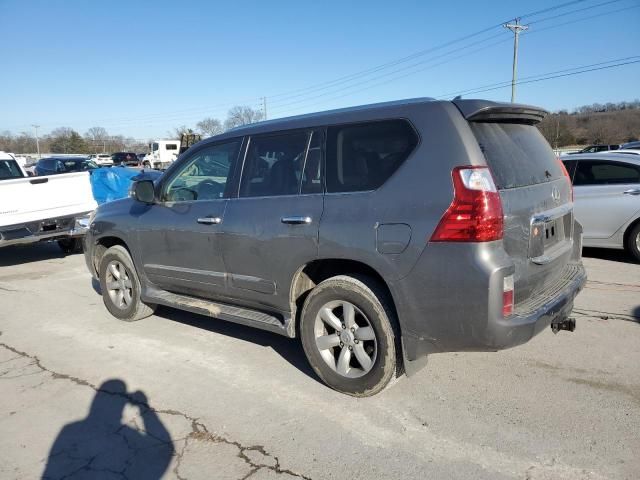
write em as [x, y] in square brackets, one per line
[34, 209]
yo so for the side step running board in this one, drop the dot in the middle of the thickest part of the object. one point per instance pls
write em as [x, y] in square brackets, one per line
[243, 316]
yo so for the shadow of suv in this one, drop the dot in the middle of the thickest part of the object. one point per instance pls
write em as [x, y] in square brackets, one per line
[377, 234]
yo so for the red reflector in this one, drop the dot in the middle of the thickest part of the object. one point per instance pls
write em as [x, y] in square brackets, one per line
[507, 303]
[475, 214]
[566, 174]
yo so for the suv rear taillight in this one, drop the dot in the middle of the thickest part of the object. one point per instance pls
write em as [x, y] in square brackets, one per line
[475, 214]
[566, 174]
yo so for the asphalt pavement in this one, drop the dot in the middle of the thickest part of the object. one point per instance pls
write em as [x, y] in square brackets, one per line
[83, 395]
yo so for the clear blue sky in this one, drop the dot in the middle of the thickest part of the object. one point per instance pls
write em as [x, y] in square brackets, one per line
[141, 68]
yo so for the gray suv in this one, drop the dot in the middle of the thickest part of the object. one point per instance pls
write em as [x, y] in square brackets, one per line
[377, 234]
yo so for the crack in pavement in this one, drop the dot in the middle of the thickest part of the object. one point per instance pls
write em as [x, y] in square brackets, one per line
[600, 315]
[199, 431]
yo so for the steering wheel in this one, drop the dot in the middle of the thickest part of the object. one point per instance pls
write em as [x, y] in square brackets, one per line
[209, 190]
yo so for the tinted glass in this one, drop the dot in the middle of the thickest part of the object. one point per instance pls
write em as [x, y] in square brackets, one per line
[312, 176]
[362, 157]
[171, 146]
[273, 165]
[9, 169]
[570, 165]
[517, 154]
[204, 176]
[594, 172]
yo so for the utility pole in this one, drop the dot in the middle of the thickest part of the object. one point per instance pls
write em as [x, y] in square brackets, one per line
[36, 127]
[264, 107]
[516, 28]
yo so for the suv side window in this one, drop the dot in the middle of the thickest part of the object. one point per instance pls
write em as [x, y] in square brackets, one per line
[363, 156]
[599, 172]
[274, 164]
[205, 175]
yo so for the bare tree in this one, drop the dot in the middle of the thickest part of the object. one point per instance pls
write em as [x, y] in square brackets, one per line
[179, 131]
[98, 137]
[242, 115]
[210, 127]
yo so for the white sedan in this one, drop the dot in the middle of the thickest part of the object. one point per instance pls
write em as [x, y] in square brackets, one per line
[607, 198]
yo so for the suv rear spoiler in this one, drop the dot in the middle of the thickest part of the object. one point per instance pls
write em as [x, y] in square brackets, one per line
[485, 111]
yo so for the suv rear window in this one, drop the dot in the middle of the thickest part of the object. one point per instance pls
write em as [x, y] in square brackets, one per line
[362, 157]
[517, 154]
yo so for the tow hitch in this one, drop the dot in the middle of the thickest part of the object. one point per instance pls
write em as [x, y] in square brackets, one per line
[566, 324]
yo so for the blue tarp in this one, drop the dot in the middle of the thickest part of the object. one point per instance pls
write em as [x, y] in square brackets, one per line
[110, 184]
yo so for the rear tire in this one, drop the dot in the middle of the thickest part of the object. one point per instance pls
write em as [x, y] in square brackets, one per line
[349, 333]
[70, 245]
[633, 242]
[121, 287]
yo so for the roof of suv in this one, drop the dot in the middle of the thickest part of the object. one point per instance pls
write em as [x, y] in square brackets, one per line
[470, 109]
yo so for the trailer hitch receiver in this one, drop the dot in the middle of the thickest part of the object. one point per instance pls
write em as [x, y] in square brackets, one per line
[565, 324]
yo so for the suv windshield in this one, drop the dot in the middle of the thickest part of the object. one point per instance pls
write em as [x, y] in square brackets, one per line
[9, 169]
[517, 154]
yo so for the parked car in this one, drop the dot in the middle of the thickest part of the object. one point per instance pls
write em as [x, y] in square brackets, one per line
[378, 234]
[102, 159]
[57, 165]
[631, 146]
[628, 151]
[128, 159]
[595, 149]
[43, 209]
[607, 199]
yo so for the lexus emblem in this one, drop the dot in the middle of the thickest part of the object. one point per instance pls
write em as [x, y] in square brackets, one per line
[555, 194]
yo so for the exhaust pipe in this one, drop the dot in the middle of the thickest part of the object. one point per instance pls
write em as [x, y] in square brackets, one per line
[568, 324]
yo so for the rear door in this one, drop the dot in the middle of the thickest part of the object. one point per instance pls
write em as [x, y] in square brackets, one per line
[536, 200]
[271, 229]
[607, 195]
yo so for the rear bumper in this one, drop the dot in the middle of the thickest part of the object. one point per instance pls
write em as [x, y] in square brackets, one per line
[496, 333]
[57, 228]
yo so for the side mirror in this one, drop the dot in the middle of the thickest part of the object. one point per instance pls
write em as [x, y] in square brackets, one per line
[144, 191]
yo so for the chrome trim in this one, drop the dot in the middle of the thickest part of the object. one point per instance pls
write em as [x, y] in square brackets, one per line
[552, 214]
[209, 220]
[296, 220]
[633, 191]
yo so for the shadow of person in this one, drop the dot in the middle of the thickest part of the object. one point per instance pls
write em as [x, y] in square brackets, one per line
[101, 446]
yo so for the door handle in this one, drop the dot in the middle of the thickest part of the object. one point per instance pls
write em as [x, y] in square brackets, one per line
[210, 220]
[296, 220]
[633, 191]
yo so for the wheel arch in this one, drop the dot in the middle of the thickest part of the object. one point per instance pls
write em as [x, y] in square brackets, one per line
[627, 232]
[102, 245]
[314, 272]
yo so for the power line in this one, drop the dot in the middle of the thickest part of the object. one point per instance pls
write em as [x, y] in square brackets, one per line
[529, 77]
[553, 75]
[564, 14]
[407, 67]
[468, 53]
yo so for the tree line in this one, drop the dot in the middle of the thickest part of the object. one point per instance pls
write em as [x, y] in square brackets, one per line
[98, 139]
[610, 123]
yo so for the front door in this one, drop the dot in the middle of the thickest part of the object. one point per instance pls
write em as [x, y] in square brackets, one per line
[179, 235]
[271, 229]
[604, 199]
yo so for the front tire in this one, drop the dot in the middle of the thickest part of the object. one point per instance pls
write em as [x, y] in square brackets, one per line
[120, 286]
[633, 242]
[349, 334]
